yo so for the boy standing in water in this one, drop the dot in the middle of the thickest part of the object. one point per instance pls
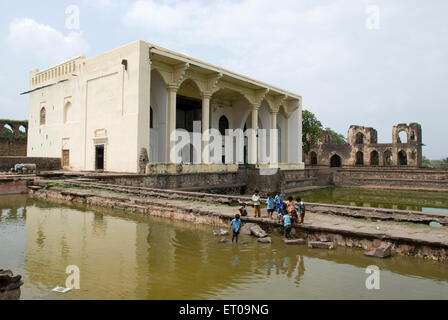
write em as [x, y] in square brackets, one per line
[286, 222]
[256, 199]
[270, 205]
[236, 226]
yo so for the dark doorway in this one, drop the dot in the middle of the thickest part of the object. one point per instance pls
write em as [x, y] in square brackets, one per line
[99, 157]
[402, 158]
[359, 158]
[335, 161]
[359, 138]
[65, 158]
[188, 110]
[374, 158]
[313, 158]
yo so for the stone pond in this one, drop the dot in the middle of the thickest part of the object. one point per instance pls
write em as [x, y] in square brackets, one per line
[133, 256]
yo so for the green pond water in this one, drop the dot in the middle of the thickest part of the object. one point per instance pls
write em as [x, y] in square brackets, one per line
[126, 256]
[390, 199]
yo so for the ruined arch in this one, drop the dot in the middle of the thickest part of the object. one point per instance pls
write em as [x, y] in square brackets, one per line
[359, 158]
[8, 131]
[374, 158]
[335, 161]
[359, 138]
[402, 136]
[313, 158]
[402, 158]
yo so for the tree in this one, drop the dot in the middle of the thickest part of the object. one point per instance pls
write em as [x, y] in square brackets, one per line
[444, 163]
[336, 137]
[311, 130]
[427, 163]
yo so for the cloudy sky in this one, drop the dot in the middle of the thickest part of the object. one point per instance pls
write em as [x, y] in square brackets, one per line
[372, 63]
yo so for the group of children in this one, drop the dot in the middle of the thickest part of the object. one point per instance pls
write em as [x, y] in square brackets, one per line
[289, 212]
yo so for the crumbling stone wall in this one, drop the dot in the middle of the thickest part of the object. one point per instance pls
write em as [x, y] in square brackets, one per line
[13, 143]
[363, 149]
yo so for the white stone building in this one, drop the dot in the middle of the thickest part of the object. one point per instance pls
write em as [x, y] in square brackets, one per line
[116, 111]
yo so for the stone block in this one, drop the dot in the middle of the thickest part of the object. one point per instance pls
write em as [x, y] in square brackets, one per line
[265, 240]
[256, 231]
[384, 251]
[295, 242]
[321, 245]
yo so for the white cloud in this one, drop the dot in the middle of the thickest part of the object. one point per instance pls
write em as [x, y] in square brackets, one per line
[27, 37]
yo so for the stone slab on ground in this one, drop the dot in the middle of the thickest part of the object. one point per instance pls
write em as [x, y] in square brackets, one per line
[294, 241]
[321, 245]
[384, 251]
[256, 231]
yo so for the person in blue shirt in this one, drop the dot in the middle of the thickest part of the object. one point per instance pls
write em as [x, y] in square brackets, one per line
[286, 222]
[279, 199]
[270, 204]
[236, 225]
[302, 209]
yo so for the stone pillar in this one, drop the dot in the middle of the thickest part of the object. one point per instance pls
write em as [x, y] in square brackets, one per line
[274, 139]
[171, 123]
[287, 139]
[300, 134]
[205, 127]
[254, 134]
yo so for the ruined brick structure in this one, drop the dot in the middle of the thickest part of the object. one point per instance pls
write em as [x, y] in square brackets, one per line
[363, 149]
[13, 138]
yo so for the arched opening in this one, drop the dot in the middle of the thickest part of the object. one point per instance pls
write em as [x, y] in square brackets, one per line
[402, 137]
[359, 158]
[43, 116]
[8, 131]
[313, 158]
[335, 161]
[158, 132]
[374, 158]
[223, 126]
[68, 112]
[359, 138]
[402, 158]
[412, 135]
[188, 105]
[22, 132]
[387, 158]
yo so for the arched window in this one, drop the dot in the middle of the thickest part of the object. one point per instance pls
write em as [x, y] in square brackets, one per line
[313, 158]
[151, 118]
[359, 158]
[374, 158]
[336, 161]
[43, 116]
[223, 125]
[68, 112]
[402, 158]
[359, 138]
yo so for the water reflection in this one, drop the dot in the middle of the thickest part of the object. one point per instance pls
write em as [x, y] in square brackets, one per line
[124, 256]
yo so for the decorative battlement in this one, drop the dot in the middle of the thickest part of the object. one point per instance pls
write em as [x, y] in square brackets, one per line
[39, 78]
